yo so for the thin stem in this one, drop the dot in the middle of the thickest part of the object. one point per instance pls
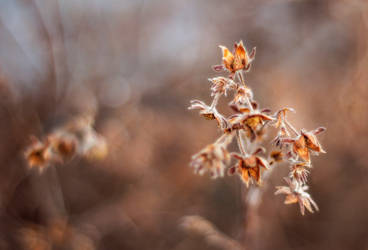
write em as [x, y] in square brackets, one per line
[219, 140]
[291, 127]
[244, 140]
[240, 144]
[215, 101]
[241, 77]
[225, 139]
[249, 104]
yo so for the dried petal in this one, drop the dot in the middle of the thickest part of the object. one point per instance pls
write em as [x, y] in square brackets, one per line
[227, 58]
[311, 142]
[300, 148]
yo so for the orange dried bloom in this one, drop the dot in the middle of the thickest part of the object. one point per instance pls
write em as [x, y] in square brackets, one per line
[63, 145]
[296, 193]
[305, 142]
[37, 154]
[252, 121]
[249, 168]
[239, 60]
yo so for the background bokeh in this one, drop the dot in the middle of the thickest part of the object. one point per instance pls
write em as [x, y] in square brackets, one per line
[137, 64]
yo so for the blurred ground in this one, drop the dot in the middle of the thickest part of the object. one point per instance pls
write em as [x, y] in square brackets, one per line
[137, 64]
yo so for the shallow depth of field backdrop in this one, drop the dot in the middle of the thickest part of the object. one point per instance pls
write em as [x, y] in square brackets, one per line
[137, 64]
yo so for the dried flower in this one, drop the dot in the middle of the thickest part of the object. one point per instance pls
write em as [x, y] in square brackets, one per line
[213, 159]
[281, 116]
[37, 154]
[63, 145]
[299, 171]
[296, 192]
[239, 60]
[243, 93]
[249, 168]
[253, 121]
[305, 142]
[210, 113]
[220, 85]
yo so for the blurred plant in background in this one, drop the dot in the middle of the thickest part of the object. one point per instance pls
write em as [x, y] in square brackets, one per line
[75, 138]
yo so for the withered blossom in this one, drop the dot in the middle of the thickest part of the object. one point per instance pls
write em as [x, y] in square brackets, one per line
[281, 116]
[299, 171]
[249, 168]
[296, 193]
[243, 94]
[37, 154]
[220, 85]
[238, 60]
[63, 145]
[251, 120]
[305, 142]
[75, 138]
[213, 159]
[209, 113]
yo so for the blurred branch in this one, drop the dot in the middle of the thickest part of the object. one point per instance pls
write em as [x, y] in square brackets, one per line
[198, 225]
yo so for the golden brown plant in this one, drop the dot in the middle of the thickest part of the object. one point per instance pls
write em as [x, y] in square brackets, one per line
[249, 125]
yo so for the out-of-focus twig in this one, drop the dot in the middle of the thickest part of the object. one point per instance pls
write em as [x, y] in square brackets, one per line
[198, 225]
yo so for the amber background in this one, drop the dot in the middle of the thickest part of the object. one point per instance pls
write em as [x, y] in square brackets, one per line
[138, 64]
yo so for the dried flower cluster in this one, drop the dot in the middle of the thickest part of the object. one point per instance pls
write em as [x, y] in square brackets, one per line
[249, 125]
[75, 138]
